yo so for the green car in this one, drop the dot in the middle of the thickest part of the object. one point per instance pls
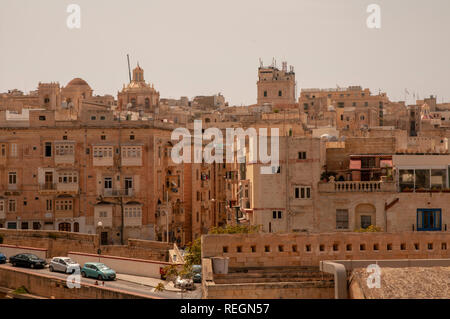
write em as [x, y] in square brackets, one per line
[98, 270]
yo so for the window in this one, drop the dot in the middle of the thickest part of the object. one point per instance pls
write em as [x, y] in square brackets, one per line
[103, 151]
[303, 192]
[64, 227]
[41, 117]
[128, 182]
[429, 219]
[280, 93]
[276, 169]
[103, 137]
[13, 150]
[68, 178]
[341, 218]
[93, 118]
[277, 214]
[64, 204]
[265, 93]
[133, 212]
[301, 155]
[12, 178]
[366, 221]
[64, 149]
[103, 214]
[131, 137]
[107, 182]
[49, 205]
[48, 149]
[131, 151]
[2, 206]
[102, 118]
[12, 205]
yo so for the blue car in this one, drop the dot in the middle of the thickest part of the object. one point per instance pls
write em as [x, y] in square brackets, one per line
[98, 270]
[2, 259]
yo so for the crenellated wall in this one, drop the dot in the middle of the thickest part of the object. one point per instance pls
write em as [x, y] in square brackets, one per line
[269, 250]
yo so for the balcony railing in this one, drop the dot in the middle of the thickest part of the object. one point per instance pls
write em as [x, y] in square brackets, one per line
[357, 186]
[47, 186]
[109, 192]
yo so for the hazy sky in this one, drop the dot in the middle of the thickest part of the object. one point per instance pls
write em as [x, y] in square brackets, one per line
[200, 47]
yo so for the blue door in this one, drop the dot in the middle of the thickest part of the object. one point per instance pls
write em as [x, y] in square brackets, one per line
[429, 219]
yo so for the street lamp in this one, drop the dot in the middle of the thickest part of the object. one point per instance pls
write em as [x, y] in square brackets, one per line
[99, 251]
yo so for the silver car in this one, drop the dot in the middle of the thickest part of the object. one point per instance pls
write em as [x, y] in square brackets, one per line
[63, 264]
[184, 283]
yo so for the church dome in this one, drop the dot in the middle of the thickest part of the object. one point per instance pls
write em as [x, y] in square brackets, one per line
[77, 82]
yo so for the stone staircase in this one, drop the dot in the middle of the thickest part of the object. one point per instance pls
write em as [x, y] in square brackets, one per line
[272, 274]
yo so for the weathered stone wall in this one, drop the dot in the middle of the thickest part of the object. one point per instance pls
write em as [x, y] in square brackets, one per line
[54, 287]
[273, 290]
[310, 249]
[142, 249]
[60, 243]
[57, 243]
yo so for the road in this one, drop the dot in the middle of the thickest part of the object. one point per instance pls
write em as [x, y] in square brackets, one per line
[123, 285]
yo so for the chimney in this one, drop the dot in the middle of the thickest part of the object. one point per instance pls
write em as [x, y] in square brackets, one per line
[284, 63]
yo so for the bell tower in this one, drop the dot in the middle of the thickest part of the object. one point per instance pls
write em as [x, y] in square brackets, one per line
[138, 74]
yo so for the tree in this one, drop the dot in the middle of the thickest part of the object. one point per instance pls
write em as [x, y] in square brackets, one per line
[159, 287]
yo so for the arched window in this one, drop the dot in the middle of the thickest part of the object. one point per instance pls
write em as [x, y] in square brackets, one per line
[64, 227]
[147, 102]
[76, 227]
[46, 99]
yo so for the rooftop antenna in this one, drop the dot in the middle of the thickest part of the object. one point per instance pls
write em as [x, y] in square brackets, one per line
[129, 70]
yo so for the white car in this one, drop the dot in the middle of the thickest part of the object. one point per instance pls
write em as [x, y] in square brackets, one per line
[64, 264]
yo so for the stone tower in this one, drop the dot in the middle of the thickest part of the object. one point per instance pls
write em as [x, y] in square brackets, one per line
[276, 86]
[49, 95]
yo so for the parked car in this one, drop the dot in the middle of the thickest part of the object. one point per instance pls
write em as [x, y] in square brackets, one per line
[184, 283]
[2, 259]
[63, 264]
[27, 260]
[98, 270]
[197, 273]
